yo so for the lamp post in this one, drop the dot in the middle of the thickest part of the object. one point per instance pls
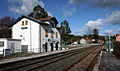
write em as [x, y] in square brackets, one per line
[109, 45]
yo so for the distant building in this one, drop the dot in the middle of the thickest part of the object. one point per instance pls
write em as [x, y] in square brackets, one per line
[37, 35]
[93, 40]
[118, 37]
[74, 43]
[89, 41]
[83, 41]
[101, 41]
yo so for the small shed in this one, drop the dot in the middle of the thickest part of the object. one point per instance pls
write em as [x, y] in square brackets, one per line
[8, 46]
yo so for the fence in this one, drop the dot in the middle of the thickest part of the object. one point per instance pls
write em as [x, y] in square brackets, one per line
[8, 52]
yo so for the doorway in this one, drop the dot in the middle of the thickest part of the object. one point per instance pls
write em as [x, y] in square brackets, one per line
[46, 45]
[51, 46]
[56, 45]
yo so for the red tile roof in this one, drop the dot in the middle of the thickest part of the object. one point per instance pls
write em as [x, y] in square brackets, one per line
[46, 18]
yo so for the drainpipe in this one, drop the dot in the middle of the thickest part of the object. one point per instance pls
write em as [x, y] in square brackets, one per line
[30, 38]
[40, 37]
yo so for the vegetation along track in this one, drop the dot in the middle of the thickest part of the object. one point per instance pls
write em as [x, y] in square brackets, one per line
[59, 62]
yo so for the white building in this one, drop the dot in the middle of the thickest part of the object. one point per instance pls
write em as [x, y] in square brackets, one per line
[37, 35]
[83, 41]
[8, 46]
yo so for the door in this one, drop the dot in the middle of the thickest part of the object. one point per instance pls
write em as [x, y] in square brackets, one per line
[56, 45]
[24, 48]
[12, 48]
[51, 46]
[46, 45]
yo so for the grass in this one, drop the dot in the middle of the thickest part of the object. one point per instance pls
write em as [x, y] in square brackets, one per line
[17, 55]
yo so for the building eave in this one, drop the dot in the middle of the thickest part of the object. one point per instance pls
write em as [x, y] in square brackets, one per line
[27, 18]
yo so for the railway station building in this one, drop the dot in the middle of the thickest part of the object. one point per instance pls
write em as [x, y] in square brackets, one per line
[37, 35]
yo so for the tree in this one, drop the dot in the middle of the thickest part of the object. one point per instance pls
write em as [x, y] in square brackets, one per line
[65, 30]
[90, 36]
[95, 35]
[5, 22]
[38, 12]
[65, 27]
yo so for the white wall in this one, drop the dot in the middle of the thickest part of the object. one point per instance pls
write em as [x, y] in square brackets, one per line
[17, 31]
[30, 36]
[35, 37]
[3, 47]
[14, 46]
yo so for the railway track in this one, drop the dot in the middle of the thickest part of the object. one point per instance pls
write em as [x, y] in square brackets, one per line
[65, 61]
[87, 63]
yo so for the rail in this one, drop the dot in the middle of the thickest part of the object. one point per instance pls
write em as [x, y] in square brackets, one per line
[56, 62]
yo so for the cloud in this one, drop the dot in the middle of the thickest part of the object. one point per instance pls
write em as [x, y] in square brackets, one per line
[108, 32]
[114, 18]
[118, 31]
[105, 3]
[97, 3]
[68, 11]
[50, 14]
[79, 32]
[93, 25]
[89, 26]
[76, 1]
[24, 7]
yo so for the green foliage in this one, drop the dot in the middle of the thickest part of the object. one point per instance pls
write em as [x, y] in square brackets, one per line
[95, 35]
[102, 37]
[65, 30]
[38, 12]
[65, 27]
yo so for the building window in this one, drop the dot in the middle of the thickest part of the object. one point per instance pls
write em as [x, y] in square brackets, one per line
[26, 22]
[46, 33]
[52, 34]
[22, 23]
[56, 35]
[1, 44]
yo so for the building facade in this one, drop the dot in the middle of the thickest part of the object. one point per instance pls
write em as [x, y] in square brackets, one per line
[8, 46]
[37, 35]
[83, 41]
[118, 37]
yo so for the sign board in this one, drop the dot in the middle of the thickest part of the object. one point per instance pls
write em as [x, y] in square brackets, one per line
[24, 27]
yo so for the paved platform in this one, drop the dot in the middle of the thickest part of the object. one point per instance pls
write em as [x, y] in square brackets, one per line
[109, 62]
[2, 61]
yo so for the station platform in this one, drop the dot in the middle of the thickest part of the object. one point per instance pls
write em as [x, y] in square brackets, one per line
[3, 61]
[109, 62]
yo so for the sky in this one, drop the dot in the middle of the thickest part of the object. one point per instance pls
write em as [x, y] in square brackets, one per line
[83, 15]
